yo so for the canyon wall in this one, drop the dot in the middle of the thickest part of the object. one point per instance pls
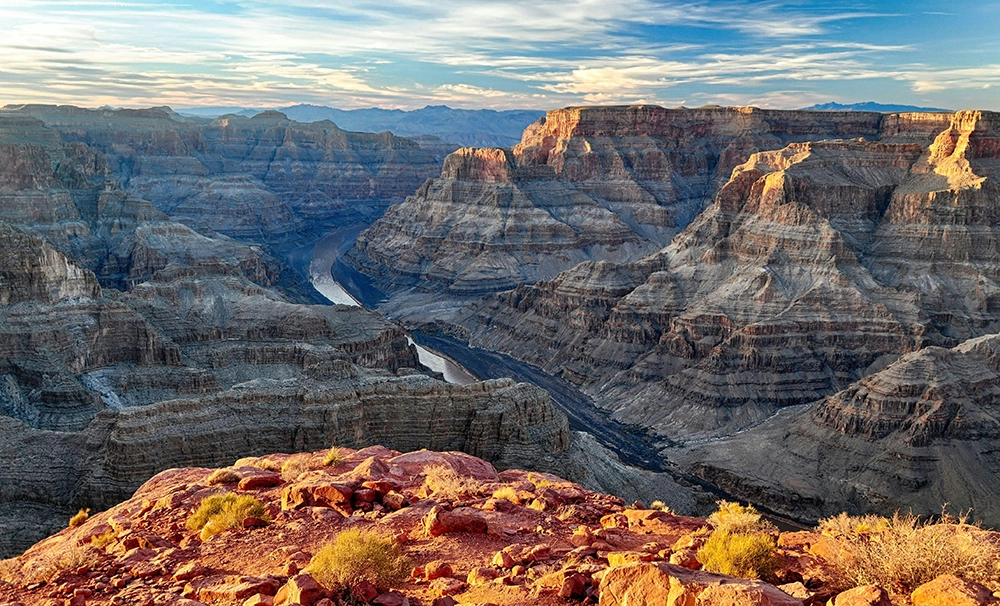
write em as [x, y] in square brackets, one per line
[266, 178]
[606, 183]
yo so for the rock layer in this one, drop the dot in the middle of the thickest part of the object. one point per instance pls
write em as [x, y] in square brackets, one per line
[265, 178]
[607, 184]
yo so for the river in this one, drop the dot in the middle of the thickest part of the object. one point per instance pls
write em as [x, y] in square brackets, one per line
[324, 254]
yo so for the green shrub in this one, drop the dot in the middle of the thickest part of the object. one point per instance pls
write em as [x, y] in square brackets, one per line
[908, 551]
[223, 511]
[733, 518]
[79, 518]
[747, 556]
[356, 555]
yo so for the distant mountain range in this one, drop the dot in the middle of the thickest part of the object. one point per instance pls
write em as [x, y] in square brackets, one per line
[871, 106]
[474, 128]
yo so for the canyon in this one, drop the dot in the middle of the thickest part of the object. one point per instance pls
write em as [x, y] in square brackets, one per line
[729, 283]
[764, 282]
[138, 338]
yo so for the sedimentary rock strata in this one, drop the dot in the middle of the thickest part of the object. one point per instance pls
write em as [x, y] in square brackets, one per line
[816, 266]
[583, 184]
[265, 178]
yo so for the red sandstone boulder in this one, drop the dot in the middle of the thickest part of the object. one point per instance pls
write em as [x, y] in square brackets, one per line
[464, 519]
[656, 584]
[949, 590]
[301, 589]
[867, 595]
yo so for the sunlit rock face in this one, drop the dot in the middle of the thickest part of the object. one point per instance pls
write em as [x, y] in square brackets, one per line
[609, 184]
[816, 268]
[266, 177]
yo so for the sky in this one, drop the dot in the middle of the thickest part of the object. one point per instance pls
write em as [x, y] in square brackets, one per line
[532, 54]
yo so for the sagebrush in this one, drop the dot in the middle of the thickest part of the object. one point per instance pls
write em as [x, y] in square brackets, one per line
[906, 550]
[734, 518]
[357, 555]
[223, 511]
[747, 556]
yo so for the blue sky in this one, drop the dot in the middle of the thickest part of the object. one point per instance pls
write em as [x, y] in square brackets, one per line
[482, 53]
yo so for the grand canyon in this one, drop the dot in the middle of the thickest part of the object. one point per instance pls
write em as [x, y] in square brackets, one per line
[499, 303]
[797, 309]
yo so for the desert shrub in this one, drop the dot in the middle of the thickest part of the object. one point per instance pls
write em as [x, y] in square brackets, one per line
[909, 551]
[294, 467]
[334, 457]
[748, 556]
[539, 481]
[223, 476]
[507, 493]
[48, 566]
[79, 518]
[444, 479]
[222, 511]
[100, 541]
[733, 518]
[357, 555]
[659, 506]
[259, 463]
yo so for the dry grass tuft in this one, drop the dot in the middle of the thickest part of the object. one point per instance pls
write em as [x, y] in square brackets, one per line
[223, 511]
[223, 476]
[733, 518]
[747, 556]
[335, 456]
[444, 480]
[907, 551]
[79, 518]
[357, 555]
[507, 493]
[659, 506]
[100, 541]
[47, 567]
[295, 466]
[259, 463]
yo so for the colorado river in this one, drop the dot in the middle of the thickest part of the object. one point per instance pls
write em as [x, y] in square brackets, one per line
[324, 255]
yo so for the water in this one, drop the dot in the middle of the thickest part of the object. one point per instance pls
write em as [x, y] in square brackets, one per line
[324, 255]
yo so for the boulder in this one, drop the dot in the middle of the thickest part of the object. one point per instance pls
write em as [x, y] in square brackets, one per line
[867, 595]
[949, 590]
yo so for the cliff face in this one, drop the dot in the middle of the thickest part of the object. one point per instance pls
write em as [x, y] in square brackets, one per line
[265, 178]
[609, 184]
[816, 266]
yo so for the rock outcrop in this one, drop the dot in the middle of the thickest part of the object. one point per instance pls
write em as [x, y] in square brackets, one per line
[470, 534]
[609, 184]
[265, 178]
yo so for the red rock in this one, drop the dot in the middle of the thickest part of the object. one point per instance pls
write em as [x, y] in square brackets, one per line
[394, 501]
[365, 494]
[259, 599]
[949, 590]
[447, 586]
[191, 570]
[314, 492]
[391, 598]
[659, 583]
[261, 480]
[575, 586]
[300, 589]
[444, 601]
[363, 591]
[688, 558]
[503, 559]
[481, 576]
[222, 588]
[437, 569]
[866, 595]
[438, 521]
[582, 537]
[254, 523]
[77, 600]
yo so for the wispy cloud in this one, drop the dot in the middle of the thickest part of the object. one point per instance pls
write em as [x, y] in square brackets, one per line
[406, 53]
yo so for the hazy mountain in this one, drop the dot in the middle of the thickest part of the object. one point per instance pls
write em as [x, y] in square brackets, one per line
[871, 106]
[469, 127]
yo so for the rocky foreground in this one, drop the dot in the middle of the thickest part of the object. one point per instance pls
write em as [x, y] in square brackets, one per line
[470, 535]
